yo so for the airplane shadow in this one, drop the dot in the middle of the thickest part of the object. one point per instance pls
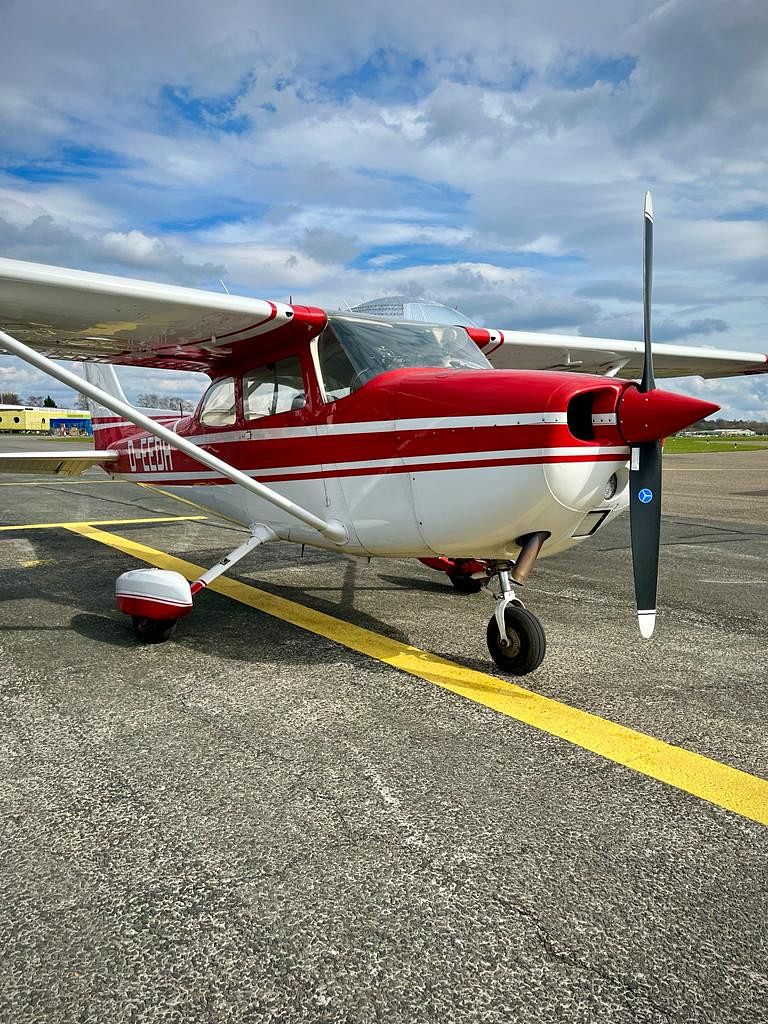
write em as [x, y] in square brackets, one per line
[436, 586]
[78, 574]
[104, 629]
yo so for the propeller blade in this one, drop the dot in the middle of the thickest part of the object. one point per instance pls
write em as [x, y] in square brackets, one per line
[645, 467]
[648, 382]
[645, 529]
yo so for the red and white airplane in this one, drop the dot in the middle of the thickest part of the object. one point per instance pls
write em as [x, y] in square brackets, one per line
[473, 450]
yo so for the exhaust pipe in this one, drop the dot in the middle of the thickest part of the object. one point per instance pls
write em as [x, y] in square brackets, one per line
[530, 544]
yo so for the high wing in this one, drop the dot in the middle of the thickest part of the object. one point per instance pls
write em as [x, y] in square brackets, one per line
[509, 350]
[54, 463]
[73, 314]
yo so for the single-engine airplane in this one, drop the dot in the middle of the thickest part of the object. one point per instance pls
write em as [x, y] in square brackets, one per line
[473, 450]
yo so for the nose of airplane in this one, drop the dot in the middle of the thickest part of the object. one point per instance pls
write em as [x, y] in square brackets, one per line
[652, 415]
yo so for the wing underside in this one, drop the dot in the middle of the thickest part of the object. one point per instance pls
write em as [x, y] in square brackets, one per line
[72, 314]
[524, 350]
[54, 463]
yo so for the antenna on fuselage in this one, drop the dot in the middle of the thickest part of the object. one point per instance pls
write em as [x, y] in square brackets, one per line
[224, 286]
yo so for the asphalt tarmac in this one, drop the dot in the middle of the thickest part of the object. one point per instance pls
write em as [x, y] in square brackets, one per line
[255, 823]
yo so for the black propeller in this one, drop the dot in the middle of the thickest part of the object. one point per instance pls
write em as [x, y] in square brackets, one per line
[645, 466]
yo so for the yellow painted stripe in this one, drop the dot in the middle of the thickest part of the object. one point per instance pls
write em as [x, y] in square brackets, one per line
[100, 522]
[718, 783]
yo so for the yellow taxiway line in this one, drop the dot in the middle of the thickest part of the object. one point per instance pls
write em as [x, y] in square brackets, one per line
[100, 522]
[703, 777]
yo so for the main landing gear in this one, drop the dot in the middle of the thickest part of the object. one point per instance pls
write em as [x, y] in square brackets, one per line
[153, 631]
[157, 598]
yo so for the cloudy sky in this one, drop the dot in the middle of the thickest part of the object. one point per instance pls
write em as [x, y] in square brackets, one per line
[490, 155]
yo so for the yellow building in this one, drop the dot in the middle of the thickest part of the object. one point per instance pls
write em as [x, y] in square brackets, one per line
[24, 419]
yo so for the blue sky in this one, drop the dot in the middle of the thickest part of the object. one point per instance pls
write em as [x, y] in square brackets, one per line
[495, 158]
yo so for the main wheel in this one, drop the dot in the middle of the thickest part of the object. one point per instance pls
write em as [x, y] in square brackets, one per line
[153, 631]
[527, 644]
[465, 584]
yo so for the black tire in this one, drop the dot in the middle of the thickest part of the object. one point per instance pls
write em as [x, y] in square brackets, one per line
[465, 584]
[528, 645]
[153, 631]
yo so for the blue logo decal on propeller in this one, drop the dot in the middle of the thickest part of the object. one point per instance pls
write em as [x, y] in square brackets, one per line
[645, 495]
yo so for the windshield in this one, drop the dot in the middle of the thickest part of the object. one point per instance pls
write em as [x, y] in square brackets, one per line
[358, 350]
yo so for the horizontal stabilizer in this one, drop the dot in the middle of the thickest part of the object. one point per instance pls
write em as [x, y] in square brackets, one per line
[53, 463]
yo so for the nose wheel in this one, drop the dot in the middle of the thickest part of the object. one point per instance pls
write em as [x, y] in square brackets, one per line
[516, 638]
[522, 647]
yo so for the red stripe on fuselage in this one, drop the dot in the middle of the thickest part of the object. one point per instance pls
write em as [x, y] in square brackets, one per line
[426, 467]
[327, 450]
[382, 422]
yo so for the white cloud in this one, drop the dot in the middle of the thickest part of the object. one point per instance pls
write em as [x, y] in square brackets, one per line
[474, 154]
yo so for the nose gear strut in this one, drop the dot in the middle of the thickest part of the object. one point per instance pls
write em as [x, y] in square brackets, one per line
[515, 636]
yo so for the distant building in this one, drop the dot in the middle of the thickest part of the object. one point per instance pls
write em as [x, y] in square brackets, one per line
[722, 432]
[733, 432]
[26, 419]
[72, 426]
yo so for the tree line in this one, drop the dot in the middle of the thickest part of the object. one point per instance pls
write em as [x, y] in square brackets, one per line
[759, 426]
[38, 401]
[148, 400]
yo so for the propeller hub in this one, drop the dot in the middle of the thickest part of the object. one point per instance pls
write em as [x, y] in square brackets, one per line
[644, 416]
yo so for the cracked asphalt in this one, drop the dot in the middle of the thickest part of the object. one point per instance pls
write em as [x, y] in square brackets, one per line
[253, 823]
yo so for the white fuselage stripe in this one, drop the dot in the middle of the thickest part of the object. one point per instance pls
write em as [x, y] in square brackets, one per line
[621, 453]
[256, 433]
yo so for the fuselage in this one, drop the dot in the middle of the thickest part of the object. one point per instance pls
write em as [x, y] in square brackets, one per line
[459, 460]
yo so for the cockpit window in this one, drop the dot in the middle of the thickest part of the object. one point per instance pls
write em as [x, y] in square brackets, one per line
[335, 368]
[353, 351]
[218, 408]
[273, 388]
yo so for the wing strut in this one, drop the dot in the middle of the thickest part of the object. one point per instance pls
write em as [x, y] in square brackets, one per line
[334, 531]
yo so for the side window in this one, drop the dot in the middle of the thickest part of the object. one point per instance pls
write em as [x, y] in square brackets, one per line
[218, 409]
[276, 387]
[335, 368]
